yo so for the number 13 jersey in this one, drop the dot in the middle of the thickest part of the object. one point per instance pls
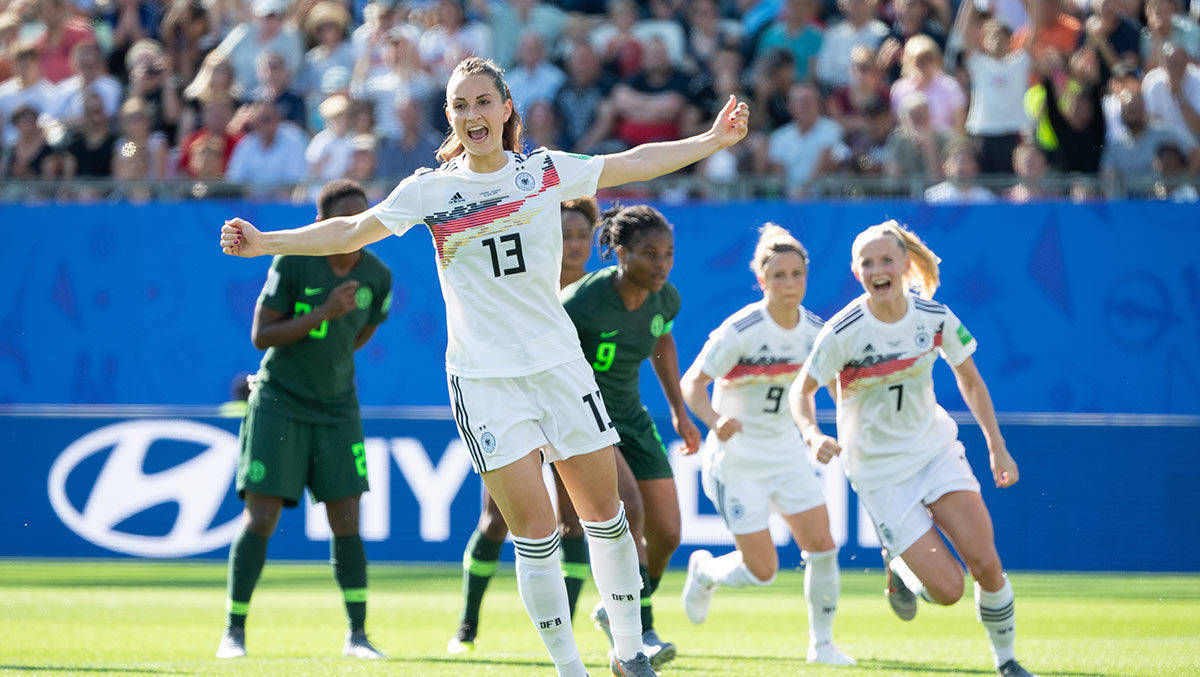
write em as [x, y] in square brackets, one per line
[889, 424]
[498, 244]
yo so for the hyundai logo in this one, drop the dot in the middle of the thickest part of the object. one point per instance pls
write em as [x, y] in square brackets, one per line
[122, 489]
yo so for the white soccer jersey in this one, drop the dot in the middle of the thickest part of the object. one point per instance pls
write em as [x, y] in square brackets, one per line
[889, 424]
[753, 362]
[498, 242]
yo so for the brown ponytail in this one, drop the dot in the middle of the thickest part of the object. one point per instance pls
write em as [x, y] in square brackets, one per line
[452, 147]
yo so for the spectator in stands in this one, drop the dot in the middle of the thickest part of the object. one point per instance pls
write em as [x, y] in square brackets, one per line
[129, 21]
[579, 99]
[708, 32]
[510, 20]
[187, 37]
[542, 128]
[325, 26]
[328, 153]
[217, 114]
[1029, 162]
[868, 143]
[1075, 130]
[28, 87]
[860, 27]
[773, 79]
[847, 105]
[960, 168]
[368, 40]
[999, 77]
[88, 65]
[29, 156]
[451, 39]
[141, 144]
[1172, 95]
[362, 117]
[412, 146]
[1049, 28]
[10, 33]
[267, 32]
[912, 19]
[206, 160]
[923, 73]
[1115, 37]
[1011, 13]
[272, 151]
[653, 106]
[1174, 182]
[533, 80]
[215, 78]
[1131, 155]
[915, 147]
[151, 81]
[275, 84]
[63, 30]
[711, 89]
[619, 47]
[90, 148]
[363, 159]
[796, 32]
[404, 79]
[1165, 23]
[806, 149]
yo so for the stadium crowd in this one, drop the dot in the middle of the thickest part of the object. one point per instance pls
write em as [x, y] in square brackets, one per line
[257, 97]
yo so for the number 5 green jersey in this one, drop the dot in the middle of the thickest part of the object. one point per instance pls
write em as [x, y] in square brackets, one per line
[616, 340]
[313, 379]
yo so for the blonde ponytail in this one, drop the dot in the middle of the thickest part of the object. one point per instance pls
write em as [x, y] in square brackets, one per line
[922, 273]
[773, 239]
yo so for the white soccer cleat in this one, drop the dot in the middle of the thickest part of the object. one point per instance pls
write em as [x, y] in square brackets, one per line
[696, 594]
[358, 646]
[827, 653]
[233, 644]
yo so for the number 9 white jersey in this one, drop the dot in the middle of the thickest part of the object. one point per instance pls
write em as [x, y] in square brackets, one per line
[888, 422]
[754, 362]
[498, 243]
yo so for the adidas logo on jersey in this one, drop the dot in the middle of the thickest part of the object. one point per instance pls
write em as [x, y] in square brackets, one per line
[869, 349]
[764, 348]
[457, 198]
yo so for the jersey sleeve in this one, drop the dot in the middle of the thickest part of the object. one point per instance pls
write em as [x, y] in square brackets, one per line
[957, 342]
[277, 293]
[720, 353]
[401, 210]
[825, 361]
[381, 304]
[578, 175]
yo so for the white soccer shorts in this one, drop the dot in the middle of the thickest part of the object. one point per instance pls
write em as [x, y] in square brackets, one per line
[746, 505]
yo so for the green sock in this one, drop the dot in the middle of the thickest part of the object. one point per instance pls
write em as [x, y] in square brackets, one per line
[349, 560]
[575, 567]
[480, 561]
[247, 554]
[647, 590]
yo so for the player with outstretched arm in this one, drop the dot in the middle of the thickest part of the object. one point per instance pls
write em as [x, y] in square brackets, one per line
[901, 449]
[518, 380]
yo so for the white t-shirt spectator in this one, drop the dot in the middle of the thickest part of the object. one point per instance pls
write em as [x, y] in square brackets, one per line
[243, 48]
[441, 50]
[68, 104]
[385, 89]
[1161, 104]
[798, 152]
[997, 93]
[530, 86]
[282, 161]
[833, 61]
[950, 192]
[41, 96]
[329, 155]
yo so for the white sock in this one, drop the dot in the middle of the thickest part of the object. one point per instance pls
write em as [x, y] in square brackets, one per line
[539, 580]
[900, 568]
[730, 571]
[995, 611]
[822, 585]
[615, 570]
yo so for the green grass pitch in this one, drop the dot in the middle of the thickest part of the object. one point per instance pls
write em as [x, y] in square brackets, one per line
[144, 618]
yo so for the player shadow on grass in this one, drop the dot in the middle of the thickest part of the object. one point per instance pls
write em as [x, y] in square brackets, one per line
[917, 667]
[76, 668]
[518, 662]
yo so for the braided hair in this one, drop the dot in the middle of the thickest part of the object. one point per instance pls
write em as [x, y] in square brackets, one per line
[621, 226]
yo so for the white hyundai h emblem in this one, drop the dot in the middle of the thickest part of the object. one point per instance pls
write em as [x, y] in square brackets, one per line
[122, 489]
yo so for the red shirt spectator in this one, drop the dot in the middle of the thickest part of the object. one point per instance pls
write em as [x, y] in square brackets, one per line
[61, 36]
[217, 111]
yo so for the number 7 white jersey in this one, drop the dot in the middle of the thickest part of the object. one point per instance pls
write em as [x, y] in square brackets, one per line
[754, 362]
[889, 424]
[498, 243]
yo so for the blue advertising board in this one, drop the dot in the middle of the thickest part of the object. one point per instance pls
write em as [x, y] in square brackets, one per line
[113, 482]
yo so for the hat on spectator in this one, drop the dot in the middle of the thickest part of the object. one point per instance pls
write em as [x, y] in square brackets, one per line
[335, 79]
[269, 7]
[324, 13]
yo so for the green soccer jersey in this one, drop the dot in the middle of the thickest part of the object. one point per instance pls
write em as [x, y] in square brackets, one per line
[616, 340]
[313, 379]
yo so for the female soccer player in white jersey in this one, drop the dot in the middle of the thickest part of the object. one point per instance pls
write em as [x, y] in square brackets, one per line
[518, 379]
[754, 460]
[902, 452]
